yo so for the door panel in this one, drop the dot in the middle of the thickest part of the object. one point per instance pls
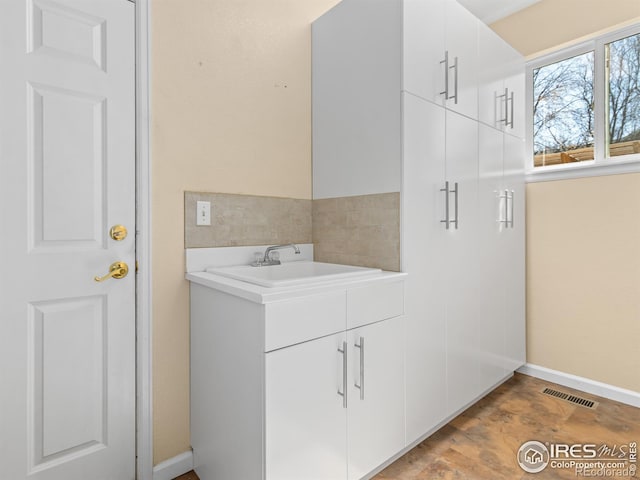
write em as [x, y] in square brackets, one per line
[424, 258]
[423, 49]
[515, 83]
[491, 261]
[305, 426]
[66, 214]
[514, 252]
[67, 340]
[462, 273]
[462, 43]
[491, 71]
[67, 174]
[375, 417]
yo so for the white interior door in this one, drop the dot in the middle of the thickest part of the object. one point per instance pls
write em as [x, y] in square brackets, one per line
[67, 175]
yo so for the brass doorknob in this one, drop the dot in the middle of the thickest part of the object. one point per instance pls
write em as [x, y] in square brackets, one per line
[118, 232]
[117, 270]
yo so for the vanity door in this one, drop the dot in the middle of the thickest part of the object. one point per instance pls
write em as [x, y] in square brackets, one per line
[306, 414]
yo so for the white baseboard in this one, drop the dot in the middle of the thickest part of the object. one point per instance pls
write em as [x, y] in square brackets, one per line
[174, 467]
[586, 385]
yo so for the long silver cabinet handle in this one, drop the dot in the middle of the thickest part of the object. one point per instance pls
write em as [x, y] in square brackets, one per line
[343, 394]
[505, 118]
[361, 386]
[506, 208]
[446, 75]
[510, 123]
[511, 208]
[446, 220]
[455, 81]
[455, 196]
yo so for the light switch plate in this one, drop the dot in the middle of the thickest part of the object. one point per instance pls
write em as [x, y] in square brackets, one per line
[203, 213]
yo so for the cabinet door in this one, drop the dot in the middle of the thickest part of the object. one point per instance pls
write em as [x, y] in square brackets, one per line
[305, 421]
[375, 414]
[492, 101]
[423, 48]
[492, 215]
[462, 274]
[424, 259]
[461, 44]
[514, 82]
[514, 254]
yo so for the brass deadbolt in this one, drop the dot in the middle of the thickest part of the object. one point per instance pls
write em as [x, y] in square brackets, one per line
[118, 232]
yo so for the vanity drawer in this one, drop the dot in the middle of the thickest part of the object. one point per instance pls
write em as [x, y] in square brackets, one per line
[294, 321]
[374, 302]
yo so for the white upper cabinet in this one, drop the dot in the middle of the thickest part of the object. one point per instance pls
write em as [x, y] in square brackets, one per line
[440, 58]
[365, 52]
[515, 84]
[500, 83]
[461, 60]
[357, 70]
[491, 103]
[424, 48]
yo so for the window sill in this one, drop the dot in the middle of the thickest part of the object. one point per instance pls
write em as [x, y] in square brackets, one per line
[583, 170]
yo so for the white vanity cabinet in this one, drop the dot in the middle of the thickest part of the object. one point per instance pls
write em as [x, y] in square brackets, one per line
[302, 385]
[313, 431]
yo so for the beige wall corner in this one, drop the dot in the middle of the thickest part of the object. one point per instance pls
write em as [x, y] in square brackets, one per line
[231, 112]
[551, 23]
[583, 278]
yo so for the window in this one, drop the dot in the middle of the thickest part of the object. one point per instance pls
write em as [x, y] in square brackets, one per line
[623, 96]
[585, 104]
[563, 111]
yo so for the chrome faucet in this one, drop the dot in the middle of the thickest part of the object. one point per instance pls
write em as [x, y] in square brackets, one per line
[267, 260]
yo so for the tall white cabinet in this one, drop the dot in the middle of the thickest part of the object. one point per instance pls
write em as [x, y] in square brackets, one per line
[420, 97]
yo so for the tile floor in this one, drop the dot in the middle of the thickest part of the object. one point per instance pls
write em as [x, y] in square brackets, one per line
[482, 443]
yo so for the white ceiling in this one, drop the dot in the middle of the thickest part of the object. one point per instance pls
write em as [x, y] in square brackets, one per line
[491, 10]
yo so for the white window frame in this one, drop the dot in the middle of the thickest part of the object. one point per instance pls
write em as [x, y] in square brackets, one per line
[600, 165]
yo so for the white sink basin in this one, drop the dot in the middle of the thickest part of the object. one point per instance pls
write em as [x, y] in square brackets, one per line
[292, 273]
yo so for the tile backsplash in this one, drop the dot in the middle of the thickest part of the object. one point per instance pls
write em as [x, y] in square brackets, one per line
[238, 220]
[361, 230]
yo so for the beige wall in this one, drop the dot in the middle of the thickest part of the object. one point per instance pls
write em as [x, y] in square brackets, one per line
[550, 23]
[583, 277]
[231, 113]
[583, 265]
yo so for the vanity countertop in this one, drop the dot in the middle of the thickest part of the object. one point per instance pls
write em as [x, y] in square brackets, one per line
[261, 294]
